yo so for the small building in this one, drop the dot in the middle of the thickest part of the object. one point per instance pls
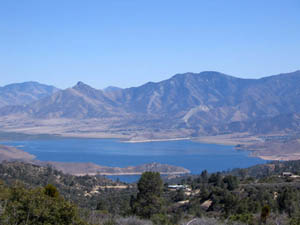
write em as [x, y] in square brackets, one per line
[177, 186]
[287, 174]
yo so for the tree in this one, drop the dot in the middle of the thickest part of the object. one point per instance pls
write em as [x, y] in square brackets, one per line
[286, 201]
[179, 195]
[265, 212]
[215, 179]
[149, 201]
[204, 176]
[231, 181]
[51, 191]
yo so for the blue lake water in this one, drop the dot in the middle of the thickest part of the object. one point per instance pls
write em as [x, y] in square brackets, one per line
[111, 152]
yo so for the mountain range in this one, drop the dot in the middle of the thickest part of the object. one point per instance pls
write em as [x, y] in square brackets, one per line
[196, 103]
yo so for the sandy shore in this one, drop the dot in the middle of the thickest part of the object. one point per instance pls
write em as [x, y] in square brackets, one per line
[155, 140]
[279, 157]
[229, 139]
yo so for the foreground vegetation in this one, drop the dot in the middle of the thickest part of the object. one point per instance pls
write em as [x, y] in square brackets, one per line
[258, 195]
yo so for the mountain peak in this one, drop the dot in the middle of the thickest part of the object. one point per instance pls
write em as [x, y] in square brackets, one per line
[80, 85]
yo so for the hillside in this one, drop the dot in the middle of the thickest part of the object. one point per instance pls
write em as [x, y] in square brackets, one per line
[233, 197]
[72, 187]
[11, 153]
[94, 169]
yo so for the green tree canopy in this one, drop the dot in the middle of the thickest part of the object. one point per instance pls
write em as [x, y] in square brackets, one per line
[149, 200]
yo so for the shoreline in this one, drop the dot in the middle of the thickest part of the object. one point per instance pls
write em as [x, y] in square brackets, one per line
[126, 174]
[156, 140]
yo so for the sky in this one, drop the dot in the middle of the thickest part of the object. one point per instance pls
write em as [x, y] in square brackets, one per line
[127, 43]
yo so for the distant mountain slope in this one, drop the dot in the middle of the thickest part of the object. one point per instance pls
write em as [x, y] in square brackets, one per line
[207, 100]
[111, 89]
[283, 123]
[24, 93]
[207, 103]
[80, 101]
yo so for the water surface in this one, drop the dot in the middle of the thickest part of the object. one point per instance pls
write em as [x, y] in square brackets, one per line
[111, 152]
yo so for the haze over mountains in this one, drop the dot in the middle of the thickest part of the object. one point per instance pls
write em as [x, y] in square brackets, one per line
[24, 93]
[200, 104]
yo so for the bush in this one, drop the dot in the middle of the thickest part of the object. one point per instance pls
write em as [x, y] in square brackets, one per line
[133, 221]
[160, 219]
[38, 206]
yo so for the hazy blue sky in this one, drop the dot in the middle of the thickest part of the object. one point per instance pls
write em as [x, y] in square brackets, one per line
[127, 43]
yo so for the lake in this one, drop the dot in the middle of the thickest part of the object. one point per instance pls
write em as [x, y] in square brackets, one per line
[191, 155]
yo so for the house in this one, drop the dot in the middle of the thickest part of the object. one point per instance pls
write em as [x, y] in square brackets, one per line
[177, 186]
[287, 174]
